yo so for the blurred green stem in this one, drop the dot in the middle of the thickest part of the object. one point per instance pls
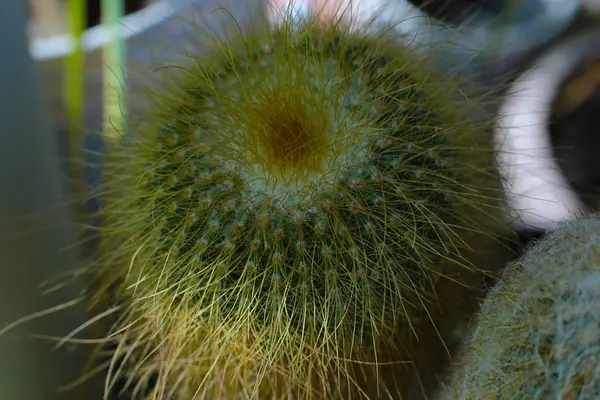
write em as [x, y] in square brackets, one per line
[74, 84]
[113, 56]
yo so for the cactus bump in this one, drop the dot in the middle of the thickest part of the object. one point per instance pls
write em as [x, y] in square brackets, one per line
[298, 216]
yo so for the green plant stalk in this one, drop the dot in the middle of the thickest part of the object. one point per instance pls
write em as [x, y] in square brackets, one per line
[74, 93]
[114, 75]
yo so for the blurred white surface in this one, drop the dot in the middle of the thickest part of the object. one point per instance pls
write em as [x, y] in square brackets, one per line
[538, 190]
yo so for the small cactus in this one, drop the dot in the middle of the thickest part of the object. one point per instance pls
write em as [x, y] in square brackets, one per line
[538, 333]
[295, 217]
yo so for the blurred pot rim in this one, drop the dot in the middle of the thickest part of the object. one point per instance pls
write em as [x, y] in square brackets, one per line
[537, 190]
[59, 46]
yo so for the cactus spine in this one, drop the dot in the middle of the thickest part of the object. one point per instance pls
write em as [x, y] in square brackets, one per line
[538, 333]
[304, 203]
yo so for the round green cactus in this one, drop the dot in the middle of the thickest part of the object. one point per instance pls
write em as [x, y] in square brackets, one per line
[300, 215]
[538, 334]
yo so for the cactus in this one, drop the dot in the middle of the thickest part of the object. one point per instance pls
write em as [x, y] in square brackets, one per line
[538, 333]
[297, 217]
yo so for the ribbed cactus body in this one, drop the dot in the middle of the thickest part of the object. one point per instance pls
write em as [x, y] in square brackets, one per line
[290, 209]
[538, 333]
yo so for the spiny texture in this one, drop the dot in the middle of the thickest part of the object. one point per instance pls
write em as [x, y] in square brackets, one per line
[538, 334]
[302, 204]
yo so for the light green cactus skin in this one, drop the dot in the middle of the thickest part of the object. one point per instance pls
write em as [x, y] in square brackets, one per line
[538, 332]
[300, 200]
